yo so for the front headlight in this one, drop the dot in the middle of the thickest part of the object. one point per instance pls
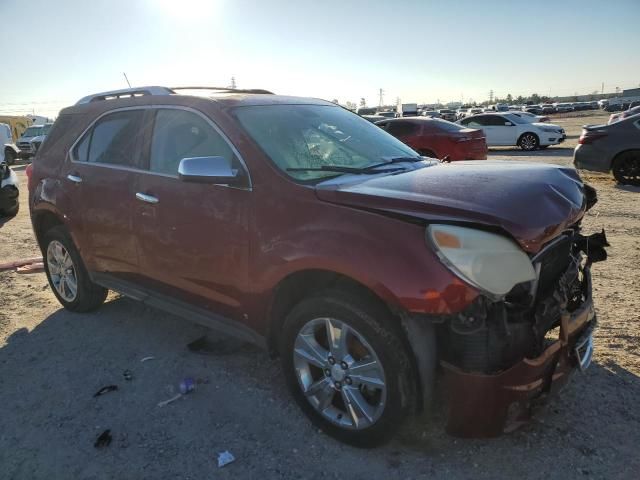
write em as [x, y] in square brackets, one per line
[550, 130]
[490, 262]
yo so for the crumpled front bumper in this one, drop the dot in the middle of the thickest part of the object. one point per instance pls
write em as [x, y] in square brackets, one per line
[482, 405]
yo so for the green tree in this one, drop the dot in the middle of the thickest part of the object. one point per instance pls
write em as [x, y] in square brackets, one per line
[535, 98]
[509, 98]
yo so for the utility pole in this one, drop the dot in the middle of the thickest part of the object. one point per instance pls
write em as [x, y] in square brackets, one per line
[233, 82]
[602, 91]
[381, 98]
[125, 77]
[490, 96]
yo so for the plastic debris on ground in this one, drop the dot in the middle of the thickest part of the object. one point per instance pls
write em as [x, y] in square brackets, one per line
[225, 458]
[146, 359]
[36, 267]
[187, 385]
[170, 400]
[107, 389]
[103, 440]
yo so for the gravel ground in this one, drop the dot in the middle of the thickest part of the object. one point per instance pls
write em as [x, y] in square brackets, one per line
[52, 362]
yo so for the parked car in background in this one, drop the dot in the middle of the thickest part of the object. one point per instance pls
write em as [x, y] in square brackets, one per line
[548, 108]
[437, 138]
[299, 226]
[9, 194]
[563, 107]
[387, 114]
[407, 110]
[530, 117]
[31, 140]
[611, 148]
[5, 137]
[534, 109]
[503, 129]
[430, 113]
[461, 112]
[373, 118]
[447, 114]
[474, 111]
[627, 113]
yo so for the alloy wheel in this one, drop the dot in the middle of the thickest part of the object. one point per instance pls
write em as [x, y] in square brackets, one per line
[628, 170]
[528, 142]
[339, 373]
[62, 271]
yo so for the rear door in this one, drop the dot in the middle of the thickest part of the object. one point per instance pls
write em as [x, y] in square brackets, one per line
[101, 177]
[193, 237]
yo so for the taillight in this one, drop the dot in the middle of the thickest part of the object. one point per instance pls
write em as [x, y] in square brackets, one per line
[589, 136]
[29, 170]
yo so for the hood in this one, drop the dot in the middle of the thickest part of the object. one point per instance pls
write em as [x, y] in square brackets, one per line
[533, 202]
[547, 125]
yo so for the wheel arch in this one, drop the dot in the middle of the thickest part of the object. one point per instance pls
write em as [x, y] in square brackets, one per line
[619, 154]
[44, 220]
[417, 335]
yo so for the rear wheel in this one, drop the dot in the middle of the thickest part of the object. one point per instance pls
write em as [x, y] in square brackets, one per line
[67, 274]
[347, 369]
[528, 141]
[626, 168]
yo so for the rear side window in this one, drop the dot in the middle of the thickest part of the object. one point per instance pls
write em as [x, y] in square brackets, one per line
[112, 140]
[401, 128]
[475, 122]
[179, 134]
[495, 121]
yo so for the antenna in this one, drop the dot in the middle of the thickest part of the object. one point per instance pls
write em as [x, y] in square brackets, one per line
[125, 77]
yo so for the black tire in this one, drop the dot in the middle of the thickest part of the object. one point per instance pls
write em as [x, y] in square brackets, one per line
[89, 296]
[374, 324]
[626, 168]
[9, 156]
[9, 197]
[528, 141]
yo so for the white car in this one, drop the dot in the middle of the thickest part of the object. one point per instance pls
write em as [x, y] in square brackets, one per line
[530, 117]
[505, 129]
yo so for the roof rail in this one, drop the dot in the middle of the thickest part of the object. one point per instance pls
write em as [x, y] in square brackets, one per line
[227, 90]
[125, 92]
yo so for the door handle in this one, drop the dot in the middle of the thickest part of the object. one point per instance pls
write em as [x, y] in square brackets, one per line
[74, 178]
[146, 198]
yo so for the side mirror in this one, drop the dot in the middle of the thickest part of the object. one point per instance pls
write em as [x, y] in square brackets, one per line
[214, 170]
[508, 124]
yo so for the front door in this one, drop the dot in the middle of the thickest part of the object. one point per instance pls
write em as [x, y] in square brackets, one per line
[193, 237]
[101, 176]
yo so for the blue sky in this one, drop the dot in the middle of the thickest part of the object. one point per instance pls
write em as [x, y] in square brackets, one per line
[418, 50]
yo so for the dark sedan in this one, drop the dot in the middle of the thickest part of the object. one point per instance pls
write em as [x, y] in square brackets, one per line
[614, 147]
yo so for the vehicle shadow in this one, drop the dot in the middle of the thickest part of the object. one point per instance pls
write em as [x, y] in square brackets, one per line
[628, 188]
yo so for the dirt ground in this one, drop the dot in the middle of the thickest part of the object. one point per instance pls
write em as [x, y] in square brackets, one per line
[52, 362]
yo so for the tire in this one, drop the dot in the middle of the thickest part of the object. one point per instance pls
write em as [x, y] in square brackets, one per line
[9, 196]
[9, 156]
[58, 249]
[528, 141]
[626, 168]
[370, 340]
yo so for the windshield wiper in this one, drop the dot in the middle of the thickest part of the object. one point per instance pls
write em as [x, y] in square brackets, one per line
[368, 169]
[341, 169]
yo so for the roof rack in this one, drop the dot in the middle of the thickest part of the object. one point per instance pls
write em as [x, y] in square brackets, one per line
[156, 90]
[125, 92]
[227, 90]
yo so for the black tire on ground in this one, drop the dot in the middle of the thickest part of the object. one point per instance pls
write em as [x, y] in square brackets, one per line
[626, 168]
[9, 196]
[376, 326]
[9, 156]
[528, 141]
[89, 295]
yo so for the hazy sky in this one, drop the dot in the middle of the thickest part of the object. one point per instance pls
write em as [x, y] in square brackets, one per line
[55, 52]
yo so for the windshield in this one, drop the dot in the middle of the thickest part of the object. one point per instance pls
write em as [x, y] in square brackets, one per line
[32, 132]
[316, 136]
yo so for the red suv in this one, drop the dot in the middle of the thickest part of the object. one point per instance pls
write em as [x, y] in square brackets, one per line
[295, 224]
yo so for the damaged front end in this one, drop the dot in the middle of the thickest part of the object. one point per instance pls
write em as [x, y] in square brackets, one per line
[500, 356]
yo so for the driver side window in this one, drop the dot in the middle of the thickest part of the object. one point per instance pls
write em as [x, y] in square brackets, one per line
[179, 134]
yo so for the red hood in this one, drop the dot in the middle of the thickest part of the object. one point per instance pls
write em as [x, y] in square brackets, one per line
[533, 202]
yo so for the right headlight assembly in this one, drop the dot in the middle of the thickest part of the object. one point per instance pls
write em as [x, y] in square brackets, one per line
[492, 263]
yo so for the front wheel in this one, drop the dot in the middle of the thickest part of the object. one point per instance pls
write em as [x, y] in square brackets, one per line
[347, 368]
[9, 156]
[528, 141]
[626, 168]
[67, 274]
